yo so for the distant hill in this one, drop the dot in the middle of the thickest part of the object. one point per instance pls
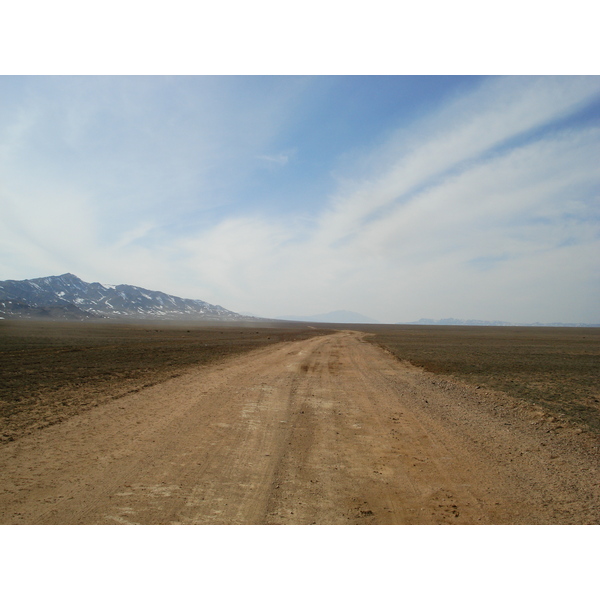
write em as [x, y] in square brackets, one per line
[68, 297]
[336, 316]
[492, 323]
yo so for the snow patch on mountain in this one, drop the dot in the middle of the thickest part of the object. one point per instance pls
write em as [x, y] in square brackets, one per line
[80, 299]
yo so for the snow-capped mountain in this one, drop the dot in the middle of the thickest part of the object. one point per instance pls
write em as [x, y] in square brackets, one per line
[67, 296]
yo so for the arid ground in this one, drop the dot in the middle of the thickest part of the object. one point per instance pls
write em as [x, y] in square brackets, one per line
[151, 424]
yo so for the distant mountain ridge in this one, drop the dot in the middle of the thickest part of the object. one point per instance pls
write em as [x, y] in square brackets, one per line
[492, 323]
[336, 316]
[68, 297]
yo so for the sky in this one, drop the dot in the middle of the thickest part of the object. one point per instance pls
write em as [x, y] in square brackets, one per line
[397, 197]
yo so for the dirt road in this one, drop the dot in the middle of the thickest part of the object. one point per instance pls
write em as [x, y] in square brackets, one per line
[330, 430]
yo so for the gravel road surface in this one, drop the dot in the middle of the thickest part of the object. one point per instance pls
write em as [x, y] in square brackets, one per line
[329, 430]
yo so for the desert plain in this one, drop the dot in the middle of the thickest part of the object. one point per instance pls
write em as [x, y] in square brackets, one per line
[283, 423]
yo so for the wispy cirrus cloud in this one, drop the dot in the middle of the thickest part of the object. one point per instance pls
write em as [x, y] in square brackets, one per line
[278, 159]
[485, 207]
[455, 138]
[484, 186]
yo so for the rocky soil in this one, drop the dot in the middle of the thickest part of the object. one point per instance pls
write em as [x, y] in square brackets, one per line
[326, 430]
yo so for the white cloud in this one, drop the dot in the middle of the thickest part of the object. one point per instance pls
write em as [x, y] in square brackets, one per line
[278, 159]
[446, 218]
[519, 213]
[495, 113]
[138, 233]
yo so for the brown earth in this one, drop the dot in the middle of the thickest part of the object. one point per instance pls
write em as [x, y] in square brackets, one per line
[556, 368]
[51, 371]
[326, 430]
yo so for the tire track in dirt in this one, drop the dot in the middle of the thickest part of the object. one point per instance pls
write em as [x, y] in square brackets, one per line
[329, 430]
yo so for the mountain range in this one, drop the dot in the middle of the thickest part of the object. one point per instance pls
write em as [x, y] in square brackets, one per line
[336, 316]
[68, 297]
[492, 323]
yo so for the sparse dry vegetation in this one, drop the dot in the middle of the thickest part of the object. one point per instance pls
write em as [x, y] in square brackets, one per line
[555, 367]
[50, 371]
[324, 429]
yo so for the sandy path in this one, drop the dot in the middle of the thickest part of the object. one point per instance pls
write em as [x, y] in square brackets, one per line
[330, 430]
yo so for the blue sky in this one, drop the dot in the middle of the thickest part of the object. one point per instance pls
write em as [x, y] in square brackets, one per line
[397, 197]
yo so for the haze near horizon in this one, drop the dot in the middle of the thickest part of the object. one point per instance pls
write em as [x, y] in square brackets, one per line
[396, 197]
